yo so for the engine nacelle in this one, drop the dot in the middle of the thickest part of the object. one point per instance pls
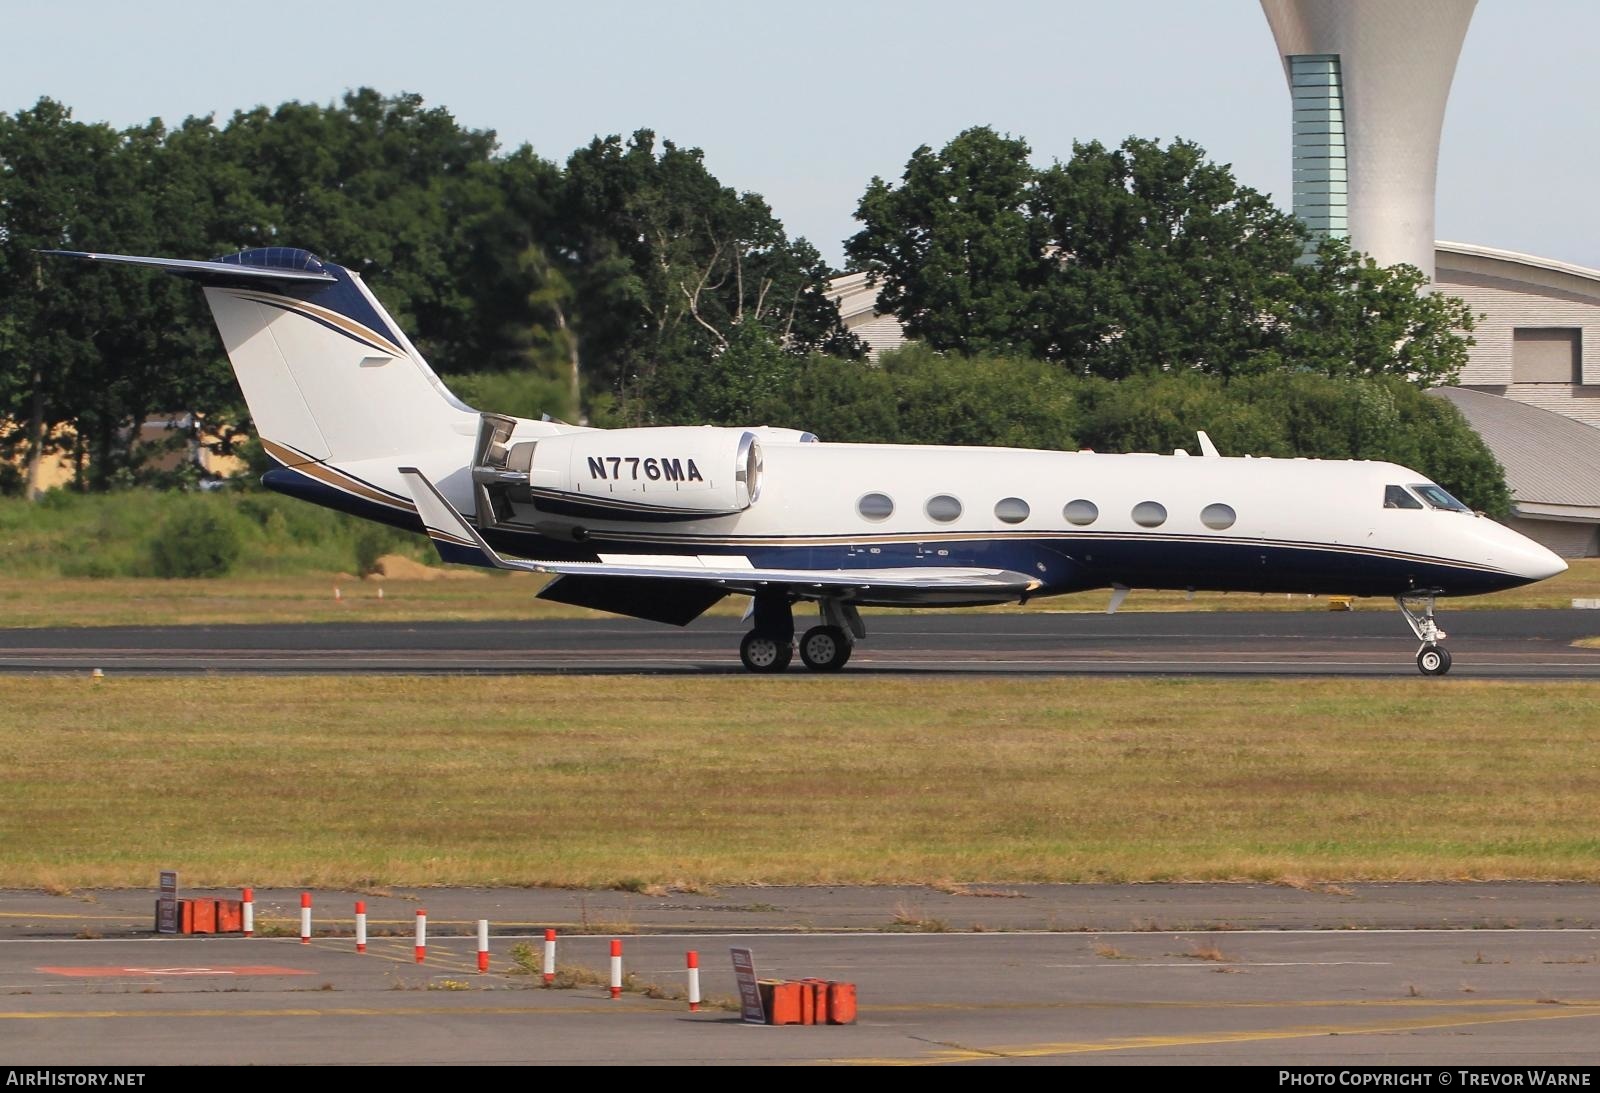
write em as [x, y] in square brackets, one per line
[641, 474]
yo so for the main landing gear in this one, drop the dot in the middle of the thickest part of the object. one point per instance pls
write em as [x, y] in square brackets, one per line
[769, 647]
[825, 648]
[766, 653]
[1433, 659]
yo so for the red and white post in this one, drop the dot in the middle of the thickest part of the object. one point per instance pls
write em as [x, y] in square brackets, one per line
[361, 925]
[248, 900]
[694, 981]
[483, 945]
[549, 956]
[305, 918]
[422, 935]
[616, 968]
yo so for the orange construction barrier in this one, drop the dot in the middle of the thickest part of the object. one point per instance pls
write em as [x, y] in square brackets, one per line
[208, 916]
[205, 916]
[808, 1002]
[841, 1003]
[197, 916]
[230, 916]
[781, 1001]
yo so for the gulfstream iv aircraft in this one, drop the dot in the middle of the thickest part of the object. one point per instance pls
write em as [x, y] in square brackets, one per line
[662, 523]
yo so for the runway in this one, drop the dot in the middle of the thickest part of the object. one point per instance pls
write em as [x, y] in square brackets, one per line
[1485, 645]
[1164, 974]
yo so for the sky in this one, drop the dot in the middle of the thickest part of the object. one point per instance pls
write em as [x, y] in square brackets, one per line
[804, 104]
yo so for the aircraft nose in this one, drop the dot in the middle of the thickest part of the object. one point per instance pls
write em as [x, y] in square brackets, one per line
[1543, 563]
[1535, 562]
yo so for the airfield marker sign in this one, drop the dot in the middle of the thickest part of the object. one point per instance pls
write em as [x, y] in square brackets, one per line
[167, 904]
[744, 972]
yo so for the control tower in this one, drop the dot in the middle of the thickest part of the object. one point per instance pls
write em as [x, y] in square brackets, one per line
[1368, 80]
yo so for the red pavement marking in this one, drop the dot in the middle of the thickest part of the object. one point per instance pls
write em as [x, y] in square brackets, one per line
[219, 969]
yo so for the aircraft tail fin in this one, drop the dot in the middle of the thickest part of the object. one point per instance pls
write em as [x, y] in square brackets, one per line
[327, 373]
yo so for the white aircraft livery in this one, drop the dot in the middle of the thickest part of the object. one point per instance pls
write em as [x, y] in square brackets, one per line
[662, 523]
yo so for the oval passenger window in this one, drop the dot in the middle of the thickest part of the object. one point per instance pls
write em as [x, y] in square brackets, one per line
[1218, 516]
[943, 508]
[1012, 510]
[1081, 512]
[1149, 514]
[876, 506]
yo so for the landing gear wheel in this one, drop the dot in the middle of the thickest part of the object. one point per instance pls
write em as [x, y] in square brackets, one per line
[1433, 660]
[825, 648]
[764, 653]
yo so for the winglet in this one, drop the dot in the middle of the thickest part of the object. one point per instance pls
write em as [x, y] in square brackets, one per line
[456, 540]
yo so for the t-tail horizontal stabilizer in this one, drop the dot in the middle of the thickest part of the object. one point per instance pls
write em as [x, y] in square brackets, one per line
[267, 265]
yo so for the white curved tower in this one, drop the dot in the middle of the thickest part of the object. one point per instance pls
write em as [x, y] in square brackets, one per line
[1369, 80]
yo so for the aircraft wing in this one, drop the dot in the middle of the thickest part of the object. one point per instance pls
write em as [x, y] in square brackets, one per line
[458, 541]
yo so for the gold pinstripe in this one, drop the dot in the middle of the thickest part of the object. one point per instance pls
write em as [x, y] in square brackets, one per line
[333, 318]
[332, 476]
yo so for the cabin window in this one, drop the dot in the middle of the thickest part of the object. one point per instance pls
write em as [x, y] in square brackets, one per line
[1218, 516]
[1149, 514]
[1081, 512]
[1011, 510]
[1438, 498]
[943, 508]
[876, 506]
[1396, 497]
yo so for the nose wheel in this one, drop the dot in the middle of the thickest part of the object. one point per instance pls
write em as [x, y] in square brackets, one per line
[1433, 660]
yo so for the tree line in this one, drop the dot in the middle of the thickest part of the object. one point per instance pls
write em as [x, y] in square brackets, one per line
[550, 288]
[1115, 300]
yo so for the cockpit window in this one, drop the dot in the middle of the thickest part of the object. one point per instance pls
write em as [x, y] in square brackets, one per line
[1396, 497]
[1438, 498]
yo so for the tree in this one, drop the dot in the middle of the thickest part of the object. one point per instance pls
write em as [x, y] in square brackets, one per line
[741, 380]
[955, 245]
[1348, 316]
[1136, 260]
[385, 186]
[521, 290]
[667, 262]
[1162, 261]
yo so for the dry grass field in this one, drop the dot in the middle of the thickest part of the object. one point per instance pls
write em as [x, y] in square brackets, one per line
[627, 781]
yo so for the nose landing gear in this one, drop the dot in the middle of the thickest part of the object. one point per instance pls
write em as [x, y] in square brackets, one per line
[1433, 659]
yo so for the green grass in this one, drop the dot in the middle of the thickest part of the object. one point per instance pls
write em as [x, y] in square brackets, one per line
[110, 535]
[701, 782]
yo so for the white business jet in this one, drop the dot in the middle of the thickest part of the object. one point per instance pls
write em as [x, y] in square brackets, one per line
[662, 523]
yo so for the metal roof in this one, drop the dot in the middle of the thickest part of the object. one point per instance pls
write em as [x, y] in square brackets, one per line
[1552, 462]
[1473, 250]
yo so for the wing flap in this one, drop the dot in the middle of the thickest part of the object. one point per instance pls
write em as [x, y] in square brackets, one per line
[677, 603]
